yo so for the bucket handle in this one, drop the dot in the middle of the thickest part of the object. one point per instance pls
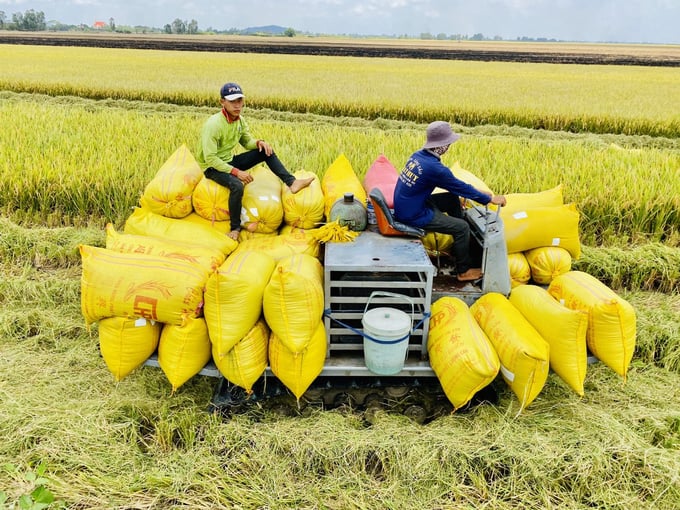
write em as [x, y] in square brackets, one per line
[384, 293]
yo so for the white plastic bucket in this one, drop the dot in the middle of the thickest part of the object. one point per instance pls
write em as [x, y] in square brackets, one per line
[386, 336]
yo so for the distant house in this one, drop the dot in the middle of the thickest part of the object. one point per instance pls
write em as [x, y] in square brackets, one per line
[99, 25]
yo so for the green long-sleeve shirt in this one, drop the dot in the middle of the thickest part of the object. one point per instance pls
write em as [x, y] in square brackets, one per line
[218, 140]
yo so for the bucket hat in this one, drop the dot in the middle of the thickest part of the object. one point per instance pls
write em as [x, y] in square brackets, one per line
[439, 134]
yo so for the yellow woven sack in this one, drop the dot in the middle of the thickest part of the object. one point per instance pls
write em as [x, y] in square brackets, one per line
[611, 319]
[547, 263]
[126, 344]
[204, 256]
[297, 371]
[146, 223]
[520, 201]
[436, 243]
[246, 362]
[469, 178]
[211, 200]
[262, 210]
[233, 298]
[132, 285]
[284, 245]
[222, 227]
[523, 353]
[543, 226]
[305, 208]
[564, 330]
[520, 272]
[339, 179]
[183, 351]
[460, 352]
[293, 300]
[169, 192]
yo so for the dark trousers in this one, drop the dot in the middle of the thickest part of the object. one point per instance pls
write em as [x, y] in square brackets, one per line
[451, 223]
[246, 161]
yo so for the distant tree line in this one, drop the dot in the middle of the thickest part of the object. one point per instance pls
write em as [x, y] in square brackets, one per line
[31, 20]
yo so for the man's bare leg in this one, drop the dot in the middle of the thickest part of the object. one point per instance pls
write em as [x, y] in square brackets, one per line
[299, 184]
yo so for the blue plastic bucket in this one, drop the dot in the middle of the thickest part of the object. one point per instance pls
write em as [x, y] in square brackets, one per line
[386, 337]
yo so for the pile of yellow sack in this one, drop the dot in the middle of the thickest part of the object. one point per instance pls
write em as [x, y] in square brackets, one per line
[526, 334]
[174, 283]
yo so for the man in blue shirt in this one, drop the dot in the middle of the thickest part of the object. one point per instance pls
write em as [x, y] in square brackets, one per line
[414, 203]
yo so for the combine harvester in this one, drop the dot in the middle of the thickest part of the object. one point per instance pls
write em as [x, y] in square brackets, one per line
[378, 292]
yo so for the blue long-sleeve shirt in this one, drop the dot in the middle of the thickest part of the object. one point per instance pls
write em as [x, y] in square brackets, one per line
[424, 172]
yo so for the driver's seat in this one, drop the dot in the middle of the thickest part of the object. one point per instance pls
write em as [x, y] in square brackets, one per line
[387, 225]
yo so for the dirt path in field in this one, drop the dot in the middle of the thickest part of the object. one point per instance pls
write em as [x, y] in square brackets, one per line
[556, 53]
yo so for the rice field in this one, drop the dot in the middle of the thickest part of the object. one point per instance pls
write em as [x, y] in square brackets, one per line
[81, 137]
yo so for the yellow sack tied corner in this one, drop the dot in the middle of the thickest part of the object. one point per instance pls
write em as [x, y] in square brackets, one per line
[305, 208]
[293, 300]
[126, 344]
[133, 285]
[233, 298]
[211, 200]
[204, 256]
[339, 179]
[245, 363]
[183, 351]
[523, 352]
[460, 353]
[611, 319]
[146, 223]
[298, 370]
[169, 192]
[564, 330]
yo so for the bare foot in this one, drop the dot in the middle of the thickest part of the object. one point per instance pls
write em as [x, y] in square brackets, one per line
[470, 275]
[299, 184]
[234, 234]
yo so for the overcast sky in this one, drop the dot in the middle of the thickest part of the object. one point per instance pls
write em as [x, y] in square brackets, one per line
[650, 21]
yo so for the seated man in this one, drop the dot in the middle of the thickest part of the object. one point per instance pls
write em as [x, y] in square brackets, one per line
[414, 203]
[220, 135]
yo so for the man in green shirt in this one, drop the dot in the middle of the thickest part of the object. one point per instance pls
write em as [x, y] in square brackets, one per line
[220, 135]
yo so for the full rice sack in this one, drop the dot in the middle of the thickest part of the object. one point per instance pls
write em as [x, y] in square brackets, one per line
[564, 330]
[298, 370]
[284, 245]
[305, 208]
[294, 300]
[184, 350]
[460, 353]
[233, 298]
[245, 363]
[543, 226]
[211, 200]
[521, 201]
[520, 271]
[547, 262]
[339, 179]
[126, 344]
[523, 353]
[611, 319]
[169, 192]
[262, 210]
[161, 289]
